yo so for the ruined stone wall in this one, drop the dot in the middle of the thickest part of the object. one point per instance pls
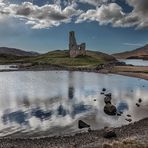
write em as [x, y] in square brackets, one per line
[82, 49]
[74, 49]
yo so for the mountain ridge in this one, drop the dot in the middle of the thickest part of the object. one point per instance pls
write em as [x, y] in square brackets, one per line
[17, 52]
[139, 53]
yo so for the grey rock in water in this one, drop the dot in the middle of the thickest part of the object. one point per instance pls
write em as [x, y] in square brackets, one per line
[107, 99]
[128, 115]
[129, 120]
[138, 105]
[140, 100]
[104, 89]
[110, 109]
[82, 124]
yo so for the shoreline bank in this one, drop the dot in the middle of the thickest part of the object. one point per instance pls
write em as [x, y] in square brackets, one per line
[115, 70]
[136, 132]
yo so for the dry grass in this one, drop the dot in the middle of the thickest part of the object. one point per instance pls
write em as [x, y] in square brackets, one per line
[126, 143]
[130, 68]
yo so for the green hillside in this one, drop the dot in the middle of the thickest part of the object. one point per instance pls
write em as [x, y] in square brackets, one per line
[61, 58]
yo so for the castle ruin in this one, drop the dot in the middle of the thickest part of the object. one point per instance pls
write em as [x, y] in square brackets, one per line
[74, 49]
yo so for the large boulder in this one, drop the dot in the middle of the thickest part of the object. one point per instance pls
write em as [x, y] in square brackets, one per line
[110, 109]
[109, 133]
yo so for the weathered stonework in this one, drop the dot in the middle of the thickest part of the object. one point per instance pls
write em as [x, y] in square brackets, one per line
[74, 49]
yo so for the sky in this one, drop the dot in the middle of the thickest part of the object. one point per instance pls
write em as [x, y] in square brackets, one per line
[108, 26]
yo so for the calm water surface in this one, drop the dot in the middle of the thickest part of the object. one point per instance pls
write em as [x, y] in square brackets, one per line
[52, 102]
[135, 62]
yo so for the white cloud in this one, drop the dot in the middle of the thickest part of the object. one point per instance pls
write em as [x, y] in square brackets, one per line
[113, 13]
[105, 12]
[41, 17]
[133, 44]
[140, 11]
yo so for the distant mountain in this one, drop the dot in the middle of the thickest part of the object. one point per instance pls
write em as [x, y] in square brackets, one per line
[16, 52]
[140, 53]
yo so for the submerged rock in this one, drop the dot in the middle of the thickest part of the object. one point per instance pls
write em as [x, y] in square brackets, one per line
[138, 105]
[110, 109]
[128, 115]
[140, 100]
[129, 120]
[82, 124]
[104, 89]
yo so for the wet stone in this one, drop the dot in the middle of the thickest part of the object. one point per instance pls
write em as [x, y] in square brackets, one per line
[140, 100]
[129, 120]
[110, 109]
[104, 89]
[128, 115]
[89, 130]
[82, 124]
[107, 99]
[138, 105]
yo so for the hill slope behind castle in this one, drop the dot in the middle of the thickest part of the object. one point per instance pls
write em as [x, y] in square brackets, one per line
[140, 53]
[16, 52]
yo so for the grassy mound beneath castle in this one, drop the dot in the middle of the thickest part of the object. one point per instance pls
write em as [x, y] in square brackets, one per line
[61, 58]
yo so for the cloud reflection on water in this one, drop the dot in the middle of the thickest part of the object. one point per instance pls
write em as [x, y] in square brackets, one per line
[43, 101]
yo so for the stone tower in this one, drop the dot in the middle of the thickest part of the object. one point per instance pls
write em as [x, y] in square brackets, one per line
[74, 49]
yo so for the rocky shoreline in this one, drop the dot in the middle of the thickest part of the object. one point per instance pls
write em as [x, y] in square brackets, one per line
[109, 68]
[137, 134]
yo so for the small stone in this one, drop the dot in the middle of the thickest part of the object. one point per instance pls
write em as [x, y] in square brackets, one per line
[110, 109]
[89, 130]
[104, 89]
[138, 105]
[102, 93]
[128, 115]
[94, 99]
[105, 127]
[140, 100]
[129, 120]
[107, 99]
